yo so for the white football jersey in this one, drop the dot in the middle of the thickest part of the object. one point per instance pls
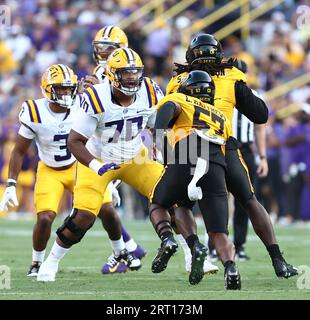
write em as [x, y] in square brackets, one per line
[49, 130]
[117, 136]
[99, 72]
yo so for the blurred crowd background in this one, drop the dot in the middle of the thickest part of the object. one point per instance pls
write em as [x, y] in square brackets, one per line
[275, 47]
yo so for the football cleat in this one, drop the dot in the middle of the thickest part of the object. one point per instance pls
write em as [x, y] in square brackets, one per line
[232, 278]
[208, 267]
[199, 254]
[167, 249]
[130, 260]
[241, 255]
[114, 266]
[283, 269]
[34, 269]
[139, 253]
[212, 256]
[47, 271]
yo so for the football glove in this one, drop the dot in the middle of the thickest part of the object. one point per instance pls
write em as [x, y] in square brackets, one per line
[9, 198]
[116, 199]
[107, 167]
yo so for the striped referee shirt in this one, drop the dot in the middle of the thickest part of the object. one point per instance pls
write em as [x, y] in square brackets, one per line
[243, 128]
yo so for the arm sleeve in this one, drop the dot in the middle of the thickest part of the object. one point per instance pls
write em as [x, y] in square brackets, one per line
[151, 120]
[249, 104]
[164, 115]
[85, 124]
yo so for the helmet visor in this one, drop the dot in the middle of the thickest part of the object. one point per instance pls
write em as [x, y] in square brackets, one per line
[130, 79]
[102, 50]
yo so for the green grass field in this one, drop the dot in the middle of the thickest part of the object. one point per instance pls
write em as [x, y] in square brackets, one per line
[80, 277]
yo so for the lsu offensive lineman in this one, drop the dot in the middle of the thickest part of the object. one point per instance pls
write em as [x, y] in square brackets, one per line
[106, 140]
[108, 39]
[48, 121]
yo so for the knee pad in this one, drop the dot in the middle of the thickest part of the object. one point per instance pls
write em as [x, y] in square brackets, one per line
[72, 227]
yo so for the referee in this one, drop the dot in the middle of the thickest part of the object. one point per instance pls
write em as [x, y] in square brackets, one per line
[244, 131]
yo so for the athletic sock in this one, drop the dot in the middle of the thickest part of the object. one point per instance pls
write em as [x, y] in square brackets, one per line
[228, 263]
[57, 252]
[125, 234]
[274, 251]
[190, 240]
[38, 256]
[131, 245]
[165, 235]
[117, 246]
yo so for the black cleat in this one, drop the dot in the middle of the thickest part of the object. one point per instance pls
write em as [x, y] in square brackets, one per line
[241, 255]
[283, 269]
[131, 261]
[34, 269]
[199, 254]
[167, 249]
[232, 278]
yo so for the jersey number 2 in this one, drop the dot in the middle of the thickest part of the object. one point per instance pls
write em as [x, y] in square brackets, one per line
[67, 156]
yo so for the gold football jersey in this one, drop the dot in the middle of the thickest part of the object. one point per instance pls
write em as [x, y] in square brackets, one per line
[224, 99]
[206, 120]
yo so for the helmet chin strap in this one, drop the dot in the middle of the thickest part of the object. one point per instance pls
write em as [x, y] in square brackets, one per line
[102, 63]
[127, 93]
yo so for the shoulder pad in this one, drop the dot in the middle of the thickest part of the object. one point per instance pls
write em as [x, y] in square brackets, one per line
[235, 74]
[91, 102]
[175, 82]
[30, 112]
[154, 92]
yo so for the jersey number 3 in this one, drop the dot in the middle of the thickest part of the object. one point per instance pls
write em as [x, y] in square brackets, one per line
[67, 156]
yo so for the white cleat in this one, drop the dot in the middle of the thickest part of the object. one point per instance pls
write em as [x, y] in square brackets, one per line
[47, 271]
[208, 267]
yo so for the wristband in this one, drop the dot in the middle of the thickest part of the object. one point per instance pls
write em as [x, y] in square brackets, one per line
[11, 183]
[262, 157]
[95, 165]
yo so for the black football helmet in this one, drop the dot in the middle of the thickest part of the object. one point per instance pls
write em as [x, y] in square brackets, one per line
[200, 85]
[204, 49]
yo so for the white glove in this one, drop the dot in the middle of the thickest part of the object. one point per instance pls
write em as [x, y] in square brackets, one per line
[115, 195]
[193, 191]
[9, 198]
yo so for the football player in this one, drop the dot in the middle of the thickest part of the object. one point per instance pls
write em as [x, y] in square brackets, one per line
[48, 121]
[106, 140]
[206, 53]
[198, 134]
[105, 42]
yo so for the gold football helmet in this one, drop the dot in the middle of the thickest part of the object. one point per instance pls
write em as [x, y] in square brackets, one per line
[106, 41]
[125, 70]
[59, 85]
